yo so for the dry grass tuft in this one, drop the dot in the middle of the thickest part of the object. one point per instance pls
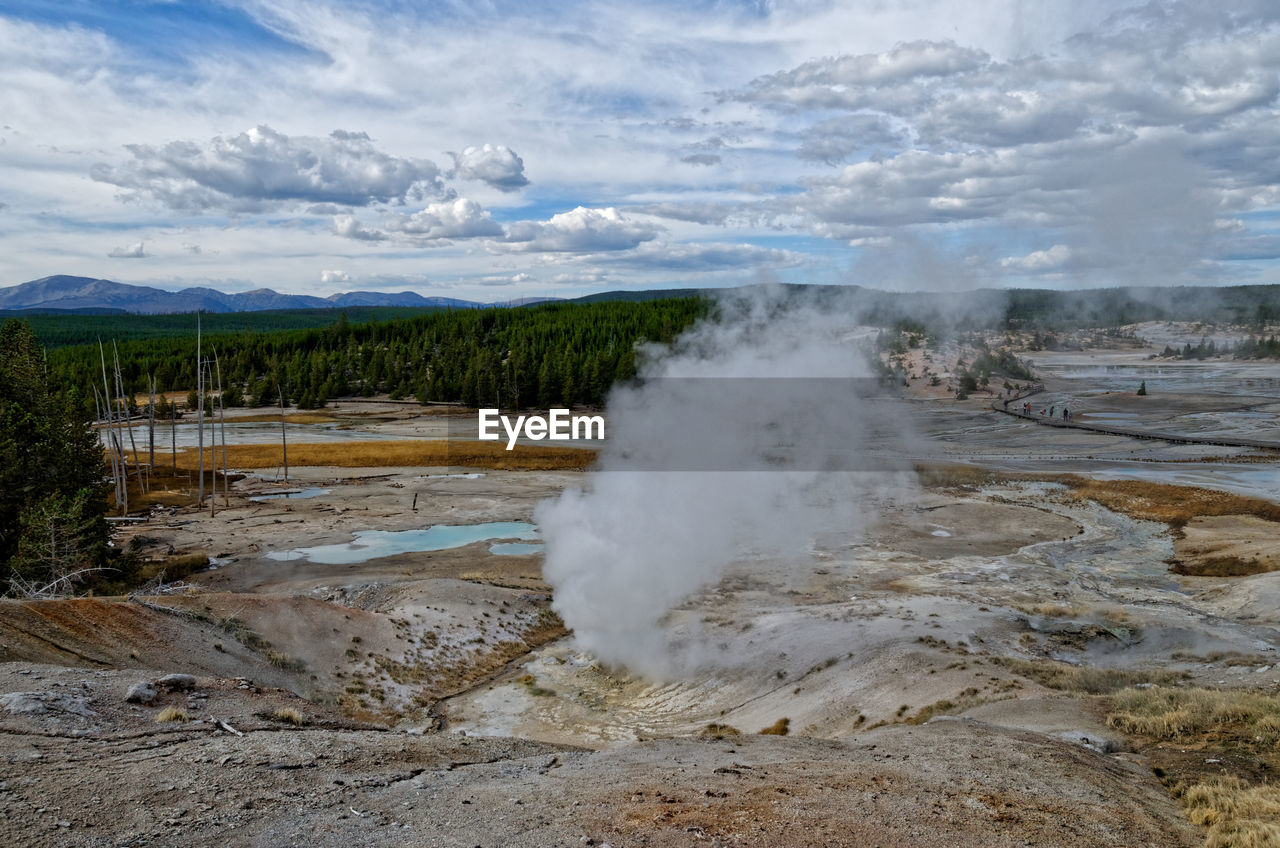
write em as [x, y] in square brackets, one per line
[399, 453]
[966, 700]
[1221, 730]
[1164, 713]
[954, 476]
[1225, 566]
[781, 727]
[1083, 680]
[284, 662]
[1055, 610]
[172, 714]
[1237, 813]
[1173, 505]
[274, 418]
[289, 715]
[720, 731]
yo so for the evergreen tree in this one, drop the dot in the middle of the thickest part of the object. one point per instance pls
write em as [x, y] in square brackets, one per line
[51, 463]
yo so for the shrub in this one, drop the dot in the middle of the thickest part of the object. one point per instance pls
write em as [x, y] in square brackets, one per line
[781, 727]
[172, 714]
[289, 715]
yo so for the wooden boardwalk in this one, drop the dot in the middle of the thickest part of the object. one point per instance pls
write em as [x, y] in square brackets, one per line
[1176, 438]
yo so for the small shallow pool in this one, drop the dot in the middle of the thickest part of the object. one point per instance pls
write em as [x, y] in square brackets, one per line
[374, 544]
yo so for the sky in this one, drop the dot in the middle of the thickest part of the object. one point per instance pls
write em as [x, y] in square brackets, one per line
[496, 150]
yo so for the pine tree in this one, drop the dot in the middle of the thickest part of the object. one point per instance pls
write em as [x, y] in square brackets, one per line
[49, 455]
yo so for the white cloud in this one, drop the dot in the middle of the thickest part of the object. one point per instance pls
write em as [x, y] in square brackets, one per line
[708, 257]
[973, 131]
[582, 230]
[348, 226]
[132, 251]
[451, 219]
[264, 169]
[334, 277]
[1040, 260]
[496, 165]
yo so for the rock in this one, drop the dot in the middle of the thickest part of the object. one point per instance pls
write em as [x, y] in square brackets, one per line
[141, 692]
[177, 682]
[39, 703]
[29, 703]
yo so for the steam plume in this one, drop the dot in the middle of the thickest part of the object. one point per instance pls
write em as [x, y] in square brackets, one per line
[721, 454]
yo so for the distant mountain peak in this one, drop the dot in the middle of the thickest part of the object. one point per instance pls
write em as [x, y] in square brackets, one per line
[70, 293]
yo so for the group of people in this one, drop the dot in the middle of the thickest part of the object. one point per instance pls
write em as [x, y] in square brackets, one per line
[1051, 411]
[1066, 413]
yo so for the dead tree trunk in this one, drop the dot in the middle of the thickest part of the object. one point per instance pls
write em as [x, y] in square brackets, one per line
[122, 490]
[222, 426]
[200, 412]
[126, 422]
[284, 444]
[173, 438]
[151, 430]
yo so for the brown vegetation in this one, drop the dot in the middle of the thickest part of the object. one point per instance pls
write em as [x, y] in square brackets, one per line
[1083, 680]
[1173, 505]
[289, 715]
[781, 727]
[1225, 566]
[398, 453]
[292, 418]
[1198, 735]
[715, 730]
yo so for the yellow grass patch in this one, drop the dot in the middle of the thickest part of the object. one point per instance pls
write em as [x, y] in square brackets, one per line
[172, 714]
[394, 453]
[1237, 813]
[1081, 679]
[289, 715]
[1205, 734]
[291, 418]
[1165, 713]
[781, 727]
[1173, 505]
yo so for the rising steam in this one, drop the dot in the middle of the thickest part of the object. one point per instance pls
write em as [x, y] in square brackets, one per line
[742, 443]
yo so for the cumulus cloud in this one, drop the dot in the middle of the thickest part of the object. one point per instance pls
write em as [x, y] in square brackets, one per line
[582, 230]
[131, 251]
[264, 169]
[450, 219]
[193, 249]
[1121, 148]
[348, 226]
[701, 159]
[495, 164]
[335, 277]
[1039, 260]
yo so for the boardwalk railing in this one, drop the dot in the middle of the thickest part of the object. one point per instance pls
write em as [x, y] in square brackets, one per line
[1176, 438]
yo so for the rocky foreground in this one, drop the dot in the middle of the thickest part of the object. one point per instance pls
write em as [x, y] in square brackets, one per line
[86, 765]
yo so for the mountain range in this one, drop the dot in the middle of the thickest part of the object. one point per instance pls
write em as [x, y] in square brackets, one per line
[62, 293]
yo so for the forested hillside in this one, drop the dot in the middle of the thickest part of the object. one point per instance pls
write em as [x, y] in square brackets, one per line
[534, 356]
[62, 329]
